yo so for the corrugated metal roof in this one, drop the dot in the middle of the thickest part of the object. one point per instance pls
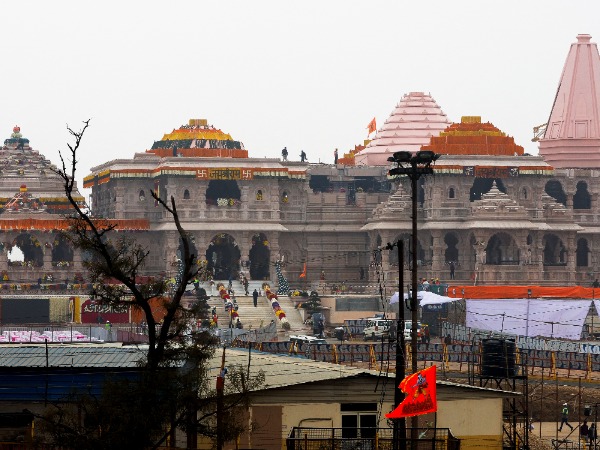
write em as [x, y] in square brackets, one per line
[70, 356]
[283, 370]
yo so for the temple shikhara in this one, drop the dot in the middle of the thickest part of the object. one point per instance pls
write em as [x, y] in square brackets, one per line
[492, 212]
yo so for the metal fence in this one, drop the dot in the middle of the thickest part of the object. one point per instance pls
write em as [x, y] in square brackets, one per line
[369, 439]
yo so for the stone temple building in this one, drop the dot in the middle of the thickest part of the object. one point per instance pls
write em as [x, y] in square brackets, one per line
[490, 211]
[494, 213]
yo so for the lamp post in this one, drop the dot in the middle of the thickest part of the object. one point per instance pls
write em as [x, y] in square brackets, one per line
[414, 166]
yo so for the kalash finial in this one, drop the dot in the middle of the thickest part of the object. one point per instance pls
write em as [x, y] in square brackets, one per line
[16, 134]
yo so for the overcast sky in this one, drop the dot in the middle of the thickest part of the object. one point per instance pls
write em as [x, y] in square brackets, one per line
[307, 75]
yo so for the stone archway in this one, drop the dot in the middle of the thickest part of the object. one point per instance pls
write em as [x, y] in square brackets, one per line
[582, 252]
[502, 250]
[451, 253]
[223, 256]
[555, 252]
[31, 249]
[260, 257]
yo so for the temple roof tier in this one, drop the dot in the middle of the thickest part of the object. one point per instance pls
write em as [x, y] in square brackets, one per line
[572, 136]
[416, 118]
[472, 137]
[198, 139]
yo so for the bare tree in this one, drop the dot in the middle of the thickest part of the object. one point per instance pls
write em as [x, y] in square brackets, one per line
[172, 390]
[122, 259]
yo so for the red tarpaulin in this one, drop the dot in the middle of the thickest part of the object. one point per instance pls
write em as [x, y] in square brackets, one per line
[494, 292]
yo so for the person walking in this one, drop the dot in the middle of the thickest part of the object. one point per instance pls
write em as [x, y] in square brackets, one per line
[565, 417]
[255, 297]
[284, 153]
[584, 432]
[592, 435]
[303, 156]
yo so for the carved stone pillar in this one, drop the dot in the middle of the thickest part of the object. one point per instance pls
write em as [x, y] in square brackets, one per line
[47, 259]
[274, 248]
[77, 259]
[571, 258]
[437, 255]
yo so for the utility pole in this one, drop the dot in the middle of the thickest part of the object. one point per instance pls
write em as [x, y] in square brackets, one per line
[413, 166]
[220, 404]
[399, 432]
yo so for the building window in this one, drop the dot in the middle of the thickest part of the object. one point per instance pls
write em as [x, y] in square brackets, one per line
[186, 195]
[284, 197]
[259, 195]
[451, 193]
[525, 193]
[142, 196]
[359, 420]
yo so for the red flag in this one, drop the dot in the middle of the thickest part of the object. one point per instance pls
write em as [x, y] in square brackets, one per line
[420, 395]
[372, 126]
[303, 274]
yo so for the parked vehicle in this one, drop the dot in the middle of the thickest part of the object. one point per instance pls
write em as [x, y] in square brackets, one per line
[303, 339]
[376, 328]
[408, 329]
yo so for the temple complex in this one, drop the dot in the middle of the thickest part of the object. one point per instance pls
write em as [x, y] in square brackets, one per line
[490, 214]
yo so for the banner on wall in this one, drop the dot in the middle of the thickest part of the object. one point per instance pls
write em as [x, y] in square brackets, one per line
[420, 390]
[95, 312]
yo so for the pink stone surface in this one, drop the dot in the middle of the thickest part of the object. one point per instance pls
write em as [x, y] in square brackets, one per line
[572, 137]
[416, 118]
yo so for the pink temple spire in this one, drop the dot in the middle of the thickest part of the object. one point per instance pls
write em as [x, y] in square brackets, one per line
[572, 137]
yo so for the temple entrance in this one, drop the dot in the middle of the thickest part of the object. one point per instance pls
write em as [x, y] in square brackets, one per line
[451, 252]
[260, 258]
[27, 247]
[555, 253]
[502, 249]
[61, 251]
[223, 256]
[583, 252]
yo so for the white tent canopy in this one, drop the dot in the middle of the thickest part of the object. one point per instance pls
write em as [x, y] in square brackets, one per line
[425, 298]
[529, 317]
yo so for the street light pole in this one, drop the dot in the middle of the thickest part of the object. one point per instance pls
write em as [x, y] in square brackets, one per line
[414, 166]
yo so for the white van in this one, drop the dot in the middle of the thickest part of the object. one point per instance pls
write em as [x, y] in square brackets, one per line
[408, 329]
[376, 328]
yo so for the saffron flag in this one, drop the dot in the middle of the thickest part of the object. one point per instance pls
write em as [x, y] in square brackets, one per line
[303, 274]
[372, 126]
[420, 395]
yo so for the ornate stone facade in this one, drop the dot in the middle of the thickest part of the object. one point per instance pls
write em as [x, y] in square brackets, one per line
[499, 219]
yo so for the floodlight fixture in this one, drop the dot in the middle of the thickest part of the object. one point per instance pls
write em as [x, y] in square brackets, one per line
[402, 156]
[425, 157]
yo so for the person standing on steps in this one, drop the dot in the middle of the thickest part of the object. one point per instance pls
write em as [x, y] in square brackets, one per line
[255, 297]
[565, 417]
